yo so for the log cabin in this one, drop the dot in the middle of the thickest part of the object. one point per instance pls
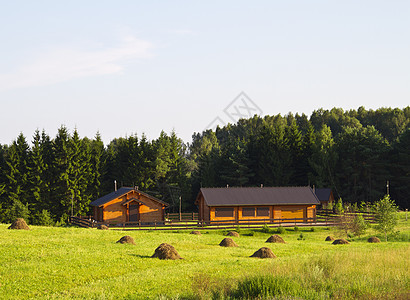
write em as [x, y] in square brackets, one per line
[128, 205]
[325, 196]
[257, 204]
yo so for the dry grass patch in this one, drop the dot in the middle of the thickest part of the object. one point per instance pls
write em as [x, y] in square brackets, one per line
[228, 242]
[264, 252]
[126, 239]
[166, 251]
[19, 223]
[275, 239]
[232, 233]
[340, 242]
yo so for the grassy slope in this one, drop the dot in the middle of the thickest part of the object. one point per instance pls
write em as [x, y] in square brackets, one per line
[87, 263]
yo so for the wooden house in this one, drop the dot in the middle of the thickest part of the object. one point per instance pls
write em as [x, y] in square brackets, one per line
[128, 205]
[257, 204]
[325, 196]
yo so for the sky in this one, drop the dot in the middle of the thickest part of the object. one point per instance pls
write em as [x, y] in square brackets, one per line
[132, 67]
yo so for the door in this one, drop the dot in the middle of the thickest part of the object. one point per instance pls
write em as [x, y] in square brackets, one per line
[134, 212]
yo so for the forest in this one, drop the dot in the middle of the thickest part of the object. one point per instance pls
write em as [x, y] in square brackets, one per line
[354, 152]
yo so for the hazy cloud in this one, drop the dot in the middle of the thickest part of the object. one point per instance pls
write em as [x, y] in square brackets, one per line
[67, 63]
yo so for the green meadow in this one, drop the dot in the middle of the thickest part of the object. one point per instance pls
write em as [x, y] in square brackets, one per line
[77, 263]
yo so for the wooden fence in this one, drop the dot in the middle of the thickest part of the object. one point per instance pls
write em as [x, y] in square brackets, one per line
[85, 222]
[182, 217]
[330, 216]
[190, 221]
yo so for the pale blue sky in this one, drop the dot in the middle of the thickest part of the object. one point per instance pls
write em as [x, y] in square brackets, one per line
[124, 67]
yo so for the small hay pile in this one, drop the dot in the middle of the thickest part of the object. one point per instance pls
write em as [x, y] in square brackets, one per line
[340, 242]
[126, 239]
[102, 227]
[232, 233]
[329, 238]
[228, 242]
[166, 251]
[264, 252]
[275, 239]
[196, 232]
[373, 239]
[19, 223]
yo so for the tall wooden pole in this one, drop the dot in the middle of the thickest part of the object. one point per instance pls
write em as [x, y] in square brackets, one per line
[387, 185]
[180, 206]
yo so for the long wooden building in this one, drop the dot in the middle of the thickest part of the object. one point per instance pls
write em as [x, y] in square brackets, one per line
[257, 203]
[128, 205]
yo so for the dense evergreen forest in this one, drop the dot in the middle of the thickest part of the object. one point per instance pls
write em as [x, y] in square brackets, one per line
[354, 152]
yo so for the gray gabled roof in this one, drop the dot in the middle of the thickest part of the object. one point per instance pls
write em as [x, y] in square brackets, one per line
[323, 194]
[119, 193]
[237, 196]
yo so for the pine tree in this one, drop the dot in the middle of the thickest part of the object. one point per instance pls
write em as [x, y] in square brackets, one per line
[61, 195]
[96, 165]
[78, 174]
[18, 170]
[37, 184]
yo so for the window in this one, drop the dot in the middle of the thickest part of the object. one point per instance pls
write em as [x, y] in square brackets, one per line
[224, 212]
[248, 212]
[262, 212]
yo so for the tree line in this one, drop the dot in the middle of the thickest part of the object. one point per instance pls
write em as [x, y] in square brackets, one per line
[353, 152]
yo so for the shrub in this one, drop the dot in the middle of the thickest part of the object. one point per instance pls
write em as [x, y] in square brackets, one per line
[43, 218]
[339, 206]
[238, 229]
[301, 237]
[281, 230]
[312, 229]
[386, 215]
[359, 225]
[262, 287]
[18, 210]
[266, 229]
[296, 228]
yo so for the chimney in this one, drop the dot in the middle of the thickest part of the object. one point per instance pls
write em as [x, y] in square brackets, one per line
[313, 189]
[115, 185]
[261, 185]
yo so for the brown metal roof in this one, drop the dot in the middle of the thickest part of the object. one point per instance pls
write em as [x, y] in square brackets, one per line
[121, 192]
[323, 194]
[237, 196]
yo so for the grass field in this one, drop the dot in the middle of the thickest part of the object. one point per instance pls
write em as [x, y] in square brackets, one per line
[75, 263]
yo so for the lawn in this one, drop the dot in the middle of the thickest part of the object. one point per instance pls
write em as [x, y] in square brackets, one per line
[76, 263]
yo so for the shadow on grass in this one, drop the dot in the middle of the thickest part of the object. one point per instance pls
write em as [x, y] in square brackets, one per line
[140, 256]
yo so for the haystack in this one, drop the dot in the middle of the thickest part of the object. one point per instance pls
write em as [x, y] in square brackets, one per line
[329, 238]
[373, 239]
[232, 233]
[196, 232]
[102, 227]
[264, 252]
[126, 239]
[340, 242]
[166, 251]
[228, 242]
[19, 223]
[275, 239]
